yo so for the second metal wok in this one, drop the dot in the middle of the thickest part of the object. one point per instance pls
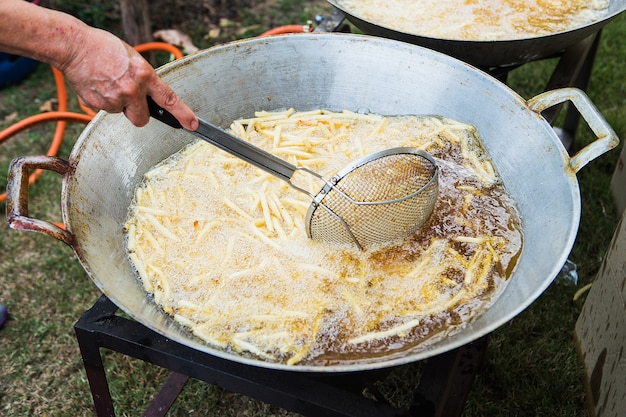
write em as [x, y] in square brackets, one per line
[332, 71]
[487, 54]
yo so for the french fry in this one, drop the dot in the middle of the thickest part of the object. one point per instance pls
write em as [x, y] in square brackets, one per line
[221, 245]
[394, 331]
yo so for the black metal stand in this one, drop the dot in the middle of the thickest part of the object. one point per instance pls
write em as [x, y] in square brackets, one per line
[445, 382]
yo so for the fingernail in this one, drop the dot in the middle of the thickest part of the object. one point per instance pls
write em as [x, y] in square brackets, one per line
[194, 124]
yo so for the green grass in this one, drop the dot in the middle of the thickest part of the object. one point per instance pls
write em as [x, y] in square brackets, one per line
[531, 368]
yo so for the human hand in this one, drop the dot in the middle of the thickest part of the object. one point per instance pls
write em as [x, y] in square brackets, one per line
[108, 74]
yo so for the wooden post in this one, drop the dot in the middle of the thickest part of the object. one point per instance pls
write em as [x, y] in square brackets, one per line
[136, 21]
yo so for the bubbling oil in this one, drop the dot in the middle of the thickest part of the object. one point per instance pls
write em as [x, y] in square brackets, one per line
[492, 212]
[478, 20]
[221, 246]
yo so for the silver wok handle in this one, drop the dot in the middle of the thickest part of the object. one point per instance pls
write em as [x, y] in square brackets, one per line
[17, 195]
[607, 138]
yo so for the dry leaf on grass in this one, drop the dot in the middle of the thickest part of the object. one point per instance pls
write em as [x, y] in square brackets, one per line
[213, 33]
[9, 118]
[176, 38]
[47, 105]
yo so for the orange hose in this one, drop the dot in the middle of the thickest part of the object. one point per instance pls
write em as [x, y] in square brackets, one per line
[51, 116]
[152, 46]
[60, 116]
[88, 110]
[284, 29]
[57, 139]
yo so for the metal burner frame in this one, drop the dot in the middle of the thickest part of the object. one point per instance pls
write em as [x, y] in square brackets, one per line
[445, 379]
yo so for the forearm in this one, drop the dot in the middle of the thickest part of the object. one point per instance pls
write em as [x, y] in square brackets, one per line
[36, 32]
[105, 72]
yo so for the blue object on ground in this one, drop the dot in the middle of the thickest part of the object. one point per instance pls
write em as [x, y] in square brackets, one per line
[4, 315]
[14, 68]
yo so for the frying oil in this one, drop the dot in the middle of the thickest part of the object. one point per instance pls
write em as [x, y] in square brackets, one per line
[478, 20]
[222, 247]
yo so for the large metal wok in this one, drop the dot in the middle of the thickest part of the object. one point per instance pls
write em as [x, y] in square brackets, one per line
[333, 71]
[487, 54]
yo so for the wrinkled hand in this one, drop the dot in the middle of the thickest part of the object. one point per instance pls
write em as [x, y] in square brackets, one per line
[109, 75]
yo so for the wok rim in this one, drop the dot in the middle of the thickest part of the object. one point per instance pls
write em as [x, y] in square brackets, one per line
[405, 357]
[499, 53]
[600, 22]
